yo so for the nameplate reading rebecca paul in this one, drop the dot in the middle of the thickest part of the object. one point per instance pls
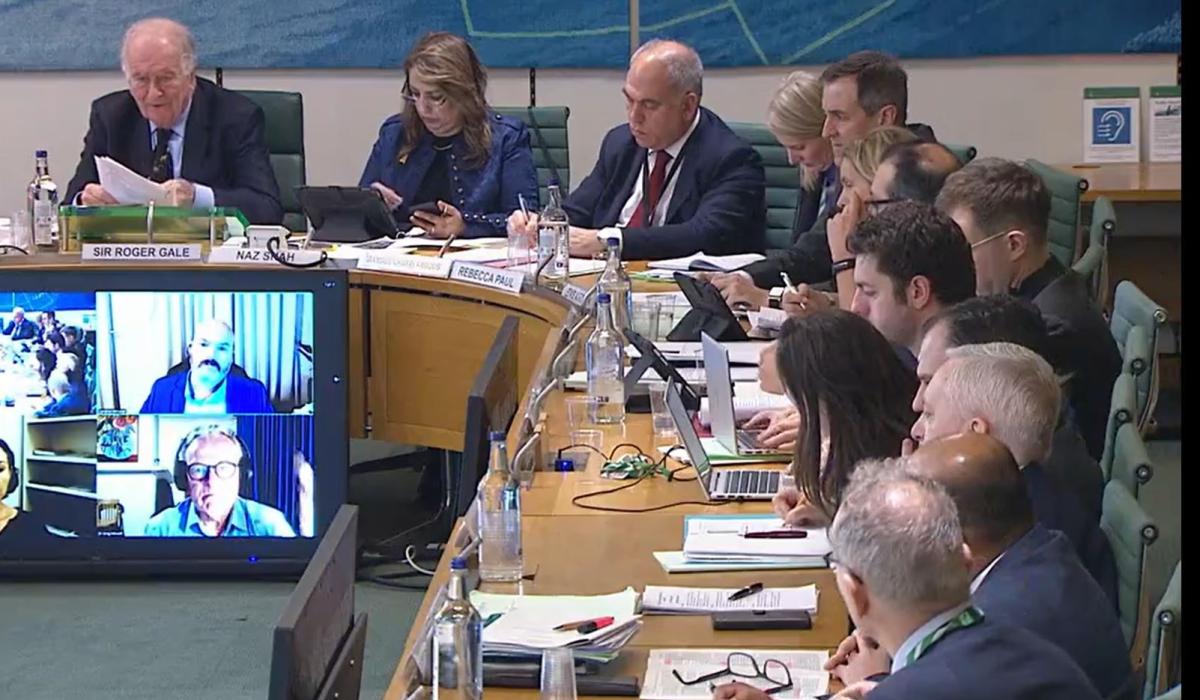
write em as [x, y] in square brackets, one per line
[148, 252]
[404, 264]
[504, 280]
[261, 256]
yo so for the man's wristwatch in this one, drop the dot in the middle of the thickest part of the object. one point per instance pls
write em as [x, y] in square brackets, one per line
[843, 265]
[775, 297]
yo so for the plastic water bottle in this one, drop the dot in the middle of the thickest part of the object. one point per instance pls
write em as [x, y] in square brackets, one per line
[41, 198]
[458, 638]
[605, 354]
[615, 281]
[499, 512]
[554, 242]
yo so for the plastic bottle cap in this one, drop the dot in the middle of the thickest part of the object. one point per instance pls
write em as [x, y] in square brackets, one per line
[39, 154]
[613, 241]
[496, 436]
[604, 298]
[458, 563]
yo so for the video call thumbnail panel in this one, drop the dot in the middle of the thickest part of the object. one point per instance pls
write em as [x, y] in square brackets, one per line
[214, 353]
[48, 353]
[156, 476]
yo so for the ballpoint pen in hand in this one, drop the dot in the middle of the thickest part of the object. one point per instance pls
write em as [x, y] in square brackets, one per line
[791, 286]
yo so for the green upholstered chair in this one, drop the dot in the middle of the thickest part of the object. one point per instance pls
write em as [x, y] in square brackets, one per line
[284, 133]
[1122, 410]
[1130, 463]
[1092, 265]
[1132, 308]
[965, 154]
[1163, 661]
[1062, 230]
[783, 182]
[551, 152]
[1130, 532]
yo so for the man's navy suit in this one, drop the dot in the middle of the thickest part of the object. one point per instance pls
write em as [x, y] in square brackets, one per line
[718, 205]
[223, 148]
[1040, 585]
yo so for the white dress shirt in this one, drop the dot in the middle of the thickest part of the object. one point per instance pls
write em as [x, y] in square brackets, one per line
[664, 202]
[900, 660]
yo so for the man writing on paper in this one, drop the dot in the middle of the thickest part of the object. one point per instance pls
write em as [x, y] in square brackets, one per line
[674, 180]
[202, 142]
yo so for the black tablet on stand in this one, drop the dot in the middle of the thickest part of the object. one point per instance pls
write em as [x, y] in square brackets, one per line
[637, 397]
[346, 214]
[709, 313]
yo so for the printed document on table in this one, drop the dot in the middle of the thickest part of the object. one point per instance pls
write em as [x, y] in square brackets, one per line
[126, 186]
[679, 600]
[806, 668]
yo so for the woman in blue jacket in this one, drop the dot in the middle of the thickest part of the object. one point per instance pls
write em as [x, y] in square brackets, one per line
[449, 149]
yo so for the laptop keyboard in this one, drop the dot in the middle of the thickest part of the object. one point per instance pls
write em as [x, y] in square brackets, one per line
[749, 482]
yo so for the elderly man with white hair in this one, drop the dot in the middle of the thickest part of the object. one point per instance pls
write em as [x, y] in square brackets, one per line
[202, 142]
[1011, 393]
[672, 181]
[19, 327]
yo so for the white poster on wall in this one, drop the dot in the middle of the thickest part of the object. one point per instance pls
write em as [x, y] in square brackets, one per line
[1166, 124]
[1111, 124]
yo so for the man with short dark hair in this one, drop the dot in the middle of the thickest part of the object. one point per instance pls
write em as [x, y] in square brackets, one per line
[1001, 318]
[910, 262]
[913, 170]
[1003, 209]
[865, 90]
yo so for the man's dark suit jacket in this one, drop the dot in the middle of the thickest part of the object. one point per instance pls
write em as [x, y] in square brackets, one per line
[223, 148]
[809, 260]
[1081, 343]
[1055, 508]
[25, 330]
[1039, 584]
[989, 661]
[242, 395]
[718, 205]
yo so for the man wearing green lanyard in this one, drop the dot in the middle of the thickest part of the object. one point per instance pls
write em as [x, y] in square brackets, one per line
[904, 572]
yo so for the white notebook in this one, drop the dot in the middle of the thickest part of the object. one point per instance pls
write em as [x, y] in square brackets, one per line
[675, 600]
[707, 263]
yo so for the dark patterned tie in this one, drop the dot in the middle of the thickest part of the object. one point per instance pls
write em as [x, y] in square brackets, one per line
[162, 168]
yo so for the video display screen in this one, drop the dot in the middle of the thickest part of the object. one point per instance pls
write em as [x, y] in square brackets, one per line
[140, 414]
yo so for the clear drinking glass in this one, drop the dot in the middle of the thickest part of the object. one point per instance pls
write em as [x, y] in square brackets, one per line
[558, 674]
[664, 424]
[645, 319]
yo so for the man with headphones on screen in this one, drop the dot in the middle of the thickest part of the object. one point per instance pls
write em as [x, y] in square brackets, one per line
[213, 468]
[208, 386]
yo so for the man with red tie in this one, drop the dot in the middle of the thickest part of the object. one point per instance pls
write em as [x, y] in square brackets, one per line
[674, 180]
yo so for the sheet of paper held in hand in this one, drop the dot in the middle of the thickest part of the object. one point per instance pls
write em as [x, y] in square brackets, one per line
[126, 186]
[808, 677]
[685, 601]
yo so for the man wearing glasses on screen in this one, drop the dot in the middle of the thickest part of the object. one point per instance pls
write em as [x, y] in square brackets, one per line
[212, 383]
[213, 468]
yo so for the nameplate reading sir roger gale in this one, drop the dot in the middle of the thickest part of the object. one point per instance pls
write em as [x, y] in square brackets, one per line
[155, 252]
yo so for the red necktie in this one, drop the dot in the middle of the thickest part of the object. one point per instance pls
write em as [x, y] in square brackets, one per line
[641, 215]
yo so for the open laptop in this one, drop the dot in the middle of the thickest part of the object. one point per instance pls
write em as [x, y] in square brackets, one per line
[726, 484]
[720, 403]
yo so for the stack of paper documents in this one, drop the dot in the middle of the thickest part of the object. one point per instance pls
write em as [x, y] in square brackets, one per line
[707, 263]
[748, 399]
[741, 352]
[525, 623]
[809, 678]
[673, 600]
[126, 186]
[717, 543]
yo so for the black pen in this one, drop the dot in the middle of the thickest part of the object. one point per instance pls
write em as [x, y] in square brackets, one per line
[747, 591]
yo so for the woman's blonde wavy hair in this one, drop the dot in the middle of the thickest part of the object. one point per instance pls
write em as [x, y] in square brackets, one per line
[795, 114]
[866, 153]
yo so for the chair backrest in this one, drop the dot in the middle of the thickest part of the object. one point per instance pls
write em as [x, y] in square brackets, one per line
[783, 181]
[1175, 693]
[1062, 229]
[1131, 463]
[1131, 307]
[284, 134]
[1166, 638]
[1130, 531]
[551, 153]
[965, 154]
[1122, 410]
[1093, 264]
